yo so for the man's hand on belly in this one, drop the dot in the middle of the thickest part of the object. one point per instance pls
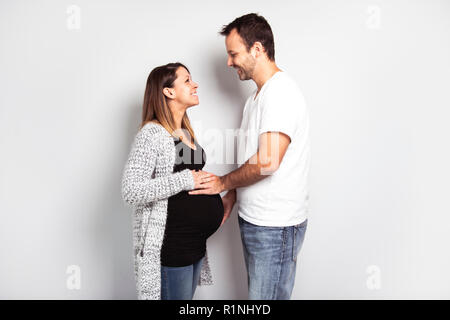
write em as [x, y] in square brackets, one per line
[211, 185]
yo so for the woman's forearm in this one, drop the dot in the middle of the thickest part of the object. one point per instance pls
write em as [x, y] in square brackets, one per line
[138, 192]
[137, 187]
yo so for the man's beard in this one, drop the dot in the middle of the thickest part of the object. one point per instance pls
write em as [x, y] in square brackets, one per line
[247, 69]
[244, 75]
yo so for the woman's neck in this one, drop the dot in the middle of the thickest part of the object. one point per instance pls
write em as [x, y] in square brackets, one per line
[177, 114]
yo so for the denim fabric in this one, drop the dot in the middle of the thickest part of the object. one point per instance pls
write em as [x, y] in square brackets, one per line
[179, 283]
[271, 258]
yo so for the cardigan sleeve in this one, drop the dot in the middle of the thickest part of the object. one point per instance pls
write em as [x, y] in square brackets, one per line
[139, 186]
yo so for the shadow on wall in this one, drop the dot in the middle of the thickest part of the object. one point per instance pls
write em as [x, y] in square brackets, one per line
[117, 216]
[227, 260]
[232, 90]
[226, 244]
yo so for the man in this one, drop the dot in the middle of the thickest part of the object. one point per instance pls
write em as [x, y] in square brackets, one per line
[271, 185]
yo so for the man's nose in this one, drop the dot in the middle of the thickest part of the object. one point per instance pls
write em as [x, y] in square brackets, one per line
[229, 62]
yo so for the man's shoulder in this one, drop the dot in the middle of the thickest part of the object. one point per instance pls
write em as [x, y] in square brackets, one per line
[283, 80]
[284, 88]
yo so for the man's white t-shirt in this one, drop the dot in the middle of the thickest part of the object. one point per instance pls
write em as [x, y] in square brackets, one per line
[281, 199]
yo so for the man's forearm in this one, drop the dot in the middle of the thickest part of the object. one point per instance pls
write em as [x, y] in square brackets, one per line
[249, 173]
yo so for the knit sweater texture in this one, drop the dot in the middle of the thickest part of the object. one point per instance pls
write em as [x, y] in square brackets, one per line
[148, 181]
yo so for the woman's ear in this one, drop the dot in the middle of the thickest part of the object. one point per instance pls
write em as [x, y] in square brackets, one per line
[169, 93]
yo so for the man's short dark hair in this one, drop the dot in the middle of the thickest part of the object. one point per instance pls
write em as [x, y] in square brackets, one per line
[252, 28]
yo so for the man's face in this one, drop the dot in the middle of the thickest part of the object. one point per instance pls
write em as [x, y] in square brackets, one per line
[238, 56]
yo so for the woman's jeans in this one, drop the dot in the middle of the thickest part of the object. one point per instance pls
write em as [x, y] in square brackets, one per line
[271, 259]
[179, 283]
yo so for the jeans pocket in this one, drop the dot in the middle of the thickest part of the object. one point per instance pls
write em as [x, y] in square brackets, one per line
[294, 247]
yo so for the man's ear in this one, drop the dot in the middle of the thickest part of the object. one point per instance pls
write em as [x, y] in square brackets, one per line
[169, 93]
[258, 49]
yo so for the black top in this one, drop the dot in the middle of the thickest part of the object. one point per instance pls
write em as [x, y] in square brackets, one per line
[191, 219]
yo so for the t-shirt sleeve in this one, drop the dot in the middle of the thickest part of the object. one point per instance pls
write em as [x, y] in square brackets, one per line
[280, 112]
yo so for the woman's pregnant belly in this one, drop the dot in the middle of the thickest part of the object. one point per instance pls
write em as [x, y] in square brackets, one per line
[194, 215]
[191, 219]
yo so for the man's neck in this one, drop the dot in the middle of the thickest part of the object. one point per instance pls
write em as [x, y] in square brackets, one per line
[265, 73]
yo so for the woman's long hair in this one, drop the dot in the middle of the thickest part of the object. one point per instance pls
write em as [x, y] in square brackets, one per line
[155, 102]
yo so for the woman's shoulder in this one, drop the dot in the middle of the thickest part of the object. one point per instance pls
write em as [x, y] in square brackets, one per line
[155, 134]
[154, 128]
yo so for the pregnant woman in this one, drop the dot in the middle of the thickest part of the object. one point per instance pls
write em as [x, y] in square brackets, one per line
[170, 227]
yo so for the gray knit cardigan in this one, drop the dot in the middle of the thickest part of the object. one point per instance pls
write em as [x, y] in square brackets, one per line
[147, 183]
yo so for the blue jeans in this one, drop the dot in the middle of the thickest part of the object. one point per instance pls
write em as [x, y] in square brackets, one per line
[271, 259]
[179, 283]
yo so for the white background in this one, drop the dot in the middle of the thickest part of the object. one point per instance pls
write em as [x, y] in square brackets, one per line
[375, 75]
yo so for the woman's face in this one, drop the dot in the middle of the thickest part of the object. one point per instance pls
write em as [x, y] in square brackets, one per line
[185, 90]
